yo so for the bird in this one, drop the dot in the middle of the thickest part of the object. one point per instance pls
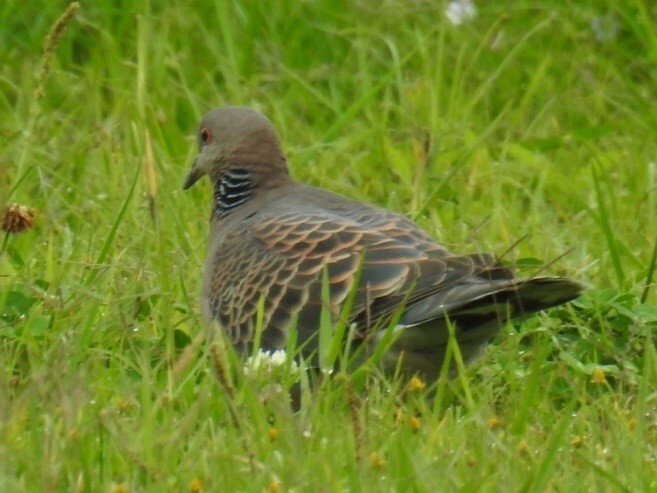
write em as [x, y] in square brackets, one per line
[281, 253]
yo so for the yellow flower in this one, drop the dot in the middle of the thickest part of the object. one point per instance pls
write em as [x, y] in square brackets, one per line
[523, 447]
[416, 384]
[414, 423]
[195, 485]
[377, 461]
[274, 486]
[493, 422]
[272, 433]
[122, 404]
[598, 376]
[119, 488]
[577, 441]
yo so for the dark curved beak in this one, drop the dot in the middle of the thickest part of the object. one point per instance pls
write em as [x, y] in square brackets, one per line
[194, 175]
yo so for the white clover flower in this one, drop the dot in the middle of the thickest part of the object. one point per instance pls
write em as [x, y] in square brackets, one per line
[266, 362]
[460, 11]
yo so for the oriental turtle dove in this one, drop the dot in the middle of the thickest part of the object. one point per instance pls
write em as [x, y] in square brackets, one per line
[277, 240]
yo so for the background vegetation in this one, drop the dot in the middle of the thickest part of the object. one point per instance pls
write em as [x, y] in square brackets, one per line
[532, 123]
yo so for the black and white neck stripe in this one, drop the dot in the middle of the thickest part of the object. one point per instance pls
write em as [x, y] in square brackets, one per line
[231, 190]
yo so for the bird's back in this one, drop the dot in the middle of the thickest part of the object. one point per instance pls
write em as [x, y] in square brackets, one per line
[280, 250]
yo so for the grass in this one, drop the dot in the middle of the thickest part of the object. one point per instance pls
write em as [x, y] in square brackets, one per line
[523, 124]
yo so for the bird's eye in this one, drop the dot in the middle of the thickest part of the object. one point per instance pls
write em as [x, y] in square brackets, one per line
[206, 136]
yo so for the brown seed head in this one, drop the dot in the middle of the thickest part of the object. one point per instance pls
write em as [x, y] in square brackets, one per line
[17, 218]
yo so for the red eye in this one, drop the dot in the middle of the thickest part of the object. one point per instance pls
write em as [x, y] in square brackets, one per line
[206, 136]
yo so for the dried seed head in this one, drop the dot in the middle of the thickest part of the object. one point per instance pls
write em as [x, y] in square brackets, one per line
[17, 218]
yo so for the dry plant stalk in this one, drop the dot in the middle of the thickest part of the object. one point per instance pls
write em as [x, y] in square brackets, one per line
[220, 371]
[187, 356]
[354, 407]
[107, 422]
[49, 47]
[150, 174]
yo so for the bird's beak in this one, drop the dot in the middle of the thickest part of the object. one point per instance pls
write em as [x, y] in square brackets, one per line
[194, 175]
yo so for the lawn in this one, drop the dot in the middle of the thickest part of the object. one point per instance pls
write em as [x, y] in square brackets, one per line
[528, 130]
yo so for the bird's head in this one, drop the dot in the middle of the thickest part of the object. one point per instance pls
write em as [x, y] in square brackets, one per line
[233, 137]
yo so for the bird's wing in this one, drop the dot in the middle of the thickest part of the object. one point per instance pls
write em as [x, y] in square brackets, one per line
[280, 260]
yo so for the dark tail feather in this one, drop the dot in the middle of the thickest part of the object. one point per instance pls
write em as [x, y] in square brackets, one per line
[540, 293]
[525, 297]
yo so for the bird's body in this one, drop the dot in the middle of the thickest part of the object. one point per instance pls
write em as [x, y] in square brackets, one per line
[283, 242]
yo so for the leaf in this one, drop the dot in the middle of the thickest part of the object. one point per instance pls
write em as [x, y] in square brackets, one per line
[42, 284]
[16, 304]
[524, 263]
[38, 326]
[181, 339]
[645, 313]
[15, 258]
